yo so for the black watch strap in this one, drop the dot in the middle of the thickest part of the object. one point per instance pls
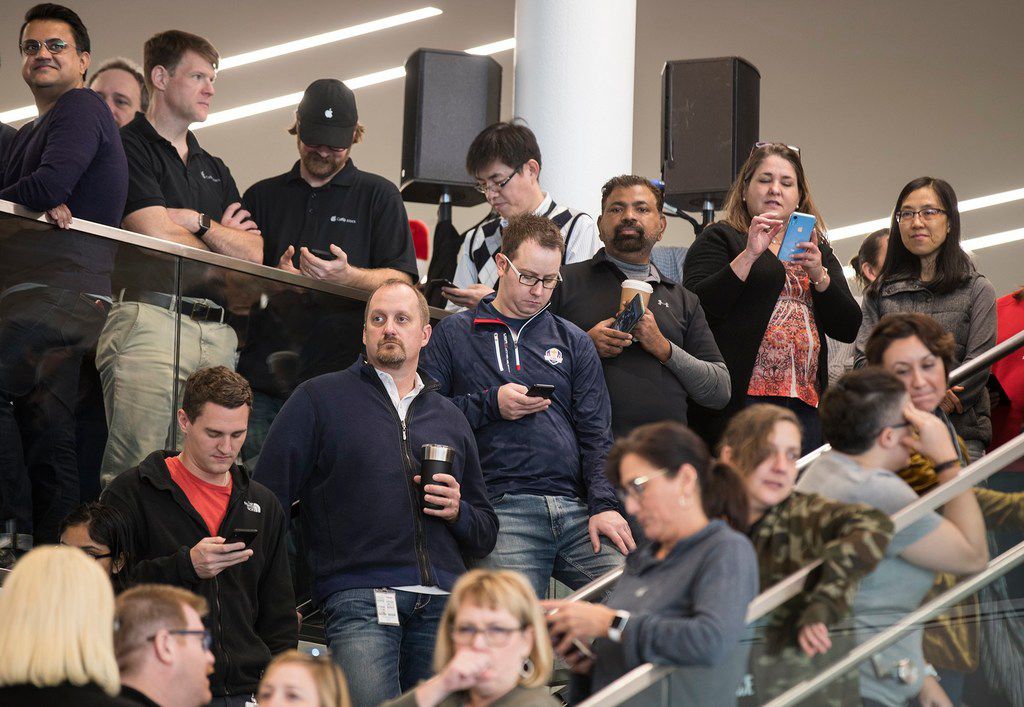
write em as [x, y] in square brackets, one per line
[204, 226]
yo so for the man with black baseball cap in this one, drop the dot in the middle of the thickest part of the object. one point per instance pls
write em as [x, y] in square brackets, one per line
[325, 218]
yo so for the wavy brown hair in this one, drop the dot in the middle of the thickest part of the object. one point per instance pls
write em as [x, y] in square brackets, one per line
[747, 434]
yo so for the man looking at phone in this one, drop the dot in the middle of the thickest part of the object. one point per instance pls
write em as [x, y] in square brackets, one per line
[191, 517]
[542, 454]
[670, 356]
[324, 218]
[386, 549]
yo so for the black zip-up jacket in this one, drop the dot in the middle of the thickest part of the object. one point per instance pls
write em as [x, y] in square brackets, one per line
[340, 447]
[252, 604]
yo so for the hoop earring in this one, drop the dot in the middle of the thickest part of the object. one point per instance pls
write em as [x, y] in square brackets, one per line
[528, 670]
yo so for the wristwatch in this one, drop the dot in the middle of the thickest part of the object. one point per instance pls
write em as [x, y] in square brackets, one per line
[618, 626]
[204, 226]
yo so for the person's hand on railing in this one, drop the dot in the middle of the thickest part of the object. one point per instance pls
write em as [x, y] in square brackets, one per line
[813, 639]
[951, 403]
[60, 215]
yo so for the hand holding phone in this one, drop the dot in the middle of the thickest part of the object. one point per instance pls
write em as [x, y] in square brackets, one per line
[798, 231]
[323, 254]
[540, 390]
[628, 318]
[243, 535]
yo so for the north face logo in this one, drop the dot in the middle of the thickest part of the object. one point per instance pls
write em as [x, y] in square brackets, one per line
[253, 507]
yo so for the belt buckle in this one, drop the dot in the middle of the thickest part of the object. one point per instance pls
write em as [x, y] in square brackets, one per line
[200, 311]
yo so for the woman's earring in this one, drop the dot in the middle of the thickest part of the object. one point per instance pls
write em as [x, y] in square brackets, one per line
[528, 670]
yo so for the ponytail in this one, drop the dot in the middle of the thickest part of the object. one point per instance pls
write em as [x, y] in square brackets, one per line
[723, 496]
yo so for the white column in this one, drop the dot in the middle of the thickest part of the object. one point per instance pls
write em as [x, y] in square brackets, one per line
[574, 88]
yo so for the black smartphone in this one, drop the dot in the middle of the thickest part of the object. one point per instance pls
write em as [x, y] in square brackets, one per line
[243, 535]
[323, 254]
[440, 282]
[541, 390]
[628, 317]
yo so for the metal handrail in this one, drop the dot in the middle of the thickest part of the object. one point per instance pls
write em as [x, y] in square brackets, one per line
[646, 675]
[996, 568]
[202, 256]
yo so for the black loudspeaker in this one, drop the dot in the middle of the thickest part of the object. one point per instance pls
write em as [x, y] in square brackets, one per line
[709, 125]
[449, 98]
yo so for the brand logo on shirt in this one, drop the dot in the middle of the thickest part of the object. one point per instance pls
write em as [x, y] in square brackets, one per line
[204, 175]
[342, 219]
[553, 356]
[329, 113]
[252, 507]
[663, 303]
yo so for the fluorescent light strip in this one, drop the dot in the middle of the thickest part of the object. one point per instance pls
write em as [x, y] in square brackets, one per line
[974, 244]
[318, 40]
[980, 202]
[292, 99]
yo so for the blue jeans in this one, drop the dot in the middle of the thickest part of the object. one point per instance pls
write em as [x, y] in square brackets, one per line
[382, 662]
[548, 536]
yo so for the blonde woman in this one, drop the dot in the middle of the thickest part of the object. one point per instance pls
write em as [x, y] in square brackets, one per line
[301, 680]
[492, 647]
[57, 632]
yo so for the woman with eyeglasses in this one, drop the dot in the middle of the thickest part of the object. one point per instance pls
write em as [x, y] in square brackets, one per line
[302, 680]
[682, 598]
[790, 530]
[926, 270]
[57, 632]
[101, 532]
[492, 647]
[770, 317]
[919, 351]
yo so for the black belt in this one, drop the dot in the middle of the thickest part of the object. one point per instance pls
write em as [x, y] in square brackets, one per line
[199, 311]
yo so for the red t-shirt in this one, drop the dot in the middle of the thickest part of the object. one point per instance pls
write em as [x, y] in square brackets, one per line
[210, 500]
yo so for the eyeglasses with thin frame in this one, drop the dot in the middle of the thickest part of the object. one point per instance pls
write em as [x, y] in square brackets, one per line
[31, 47]
[759, 145]
[494, 636]
[206, 634]
[635, 488]
[927, 214]
[497, 187]
[548, 283]
[92, 555]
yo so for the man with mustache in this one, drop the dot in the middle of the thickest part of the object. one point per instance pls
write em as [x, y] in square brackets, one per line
[325, 218]
[386, 549]
[671, 355]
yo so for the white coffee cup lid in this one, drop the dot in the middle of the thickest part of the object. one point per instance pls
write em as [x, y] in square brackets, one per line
[638, 285]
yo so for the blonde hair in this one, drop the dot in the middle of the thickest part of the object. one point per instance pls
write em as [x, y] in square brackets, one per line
[58, 622]
[747, 434]
[142, 611]
[498, 590]
[331, 686]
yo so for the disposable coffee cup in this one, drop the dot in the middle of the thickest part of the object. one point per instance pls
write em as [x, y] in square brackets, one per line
[437, 459]
[632, 288]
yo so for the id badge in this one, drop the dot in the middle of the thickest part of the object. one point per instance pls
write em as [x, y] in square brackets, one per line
[387, 607]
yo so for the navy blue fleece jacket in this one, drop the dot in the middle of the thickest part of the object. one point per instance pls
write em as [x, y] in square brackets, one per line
[339, 446]
[558, 452]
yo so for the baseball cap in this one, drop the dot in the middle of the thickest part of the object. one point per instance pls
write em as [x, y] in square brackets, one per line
[327, 114]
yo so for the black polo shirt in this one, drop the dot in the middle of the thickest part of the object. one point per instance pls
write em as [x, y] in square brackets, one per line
[360, 212]
[158, 177]
[642, 389]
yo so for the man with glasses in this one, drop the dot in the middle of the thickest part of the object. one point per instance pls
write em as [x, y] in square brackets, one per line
[670, 357]
[542, 449]
[505, 161]
[54, 283]
[163, 650]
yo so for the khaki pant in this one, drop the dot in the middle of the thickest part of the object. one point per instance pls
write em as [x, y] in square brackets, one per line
[135, 359]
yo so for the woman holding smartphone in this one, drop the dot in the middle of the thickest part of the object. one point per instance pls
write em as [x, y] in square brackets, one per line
[926, 270]
[770, 317]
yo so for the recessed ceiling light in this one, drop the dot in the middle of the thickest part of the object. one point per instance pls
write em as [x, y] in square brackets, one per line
[318, 40]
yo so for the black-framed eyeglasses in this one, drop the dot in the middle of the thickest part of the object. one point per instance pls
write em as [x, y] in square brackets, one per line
[206, 634]
[927, 214]
[31, 47]
[769, 143]
[548, 283]
[94, 556]
[635, 488]
[494, 636]
[497, 187]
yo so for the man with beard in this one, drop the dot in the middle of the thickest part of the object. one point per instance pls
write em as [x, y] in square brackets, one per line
[386, 549]
[325, 218]
[671, 355]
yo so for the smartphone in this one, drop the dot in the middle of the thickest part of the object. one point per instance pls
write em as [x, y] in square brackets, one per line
[243, 535]
[627, 319]
[541, 390]
[440, 282]
[323, 254]
[797, 231]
